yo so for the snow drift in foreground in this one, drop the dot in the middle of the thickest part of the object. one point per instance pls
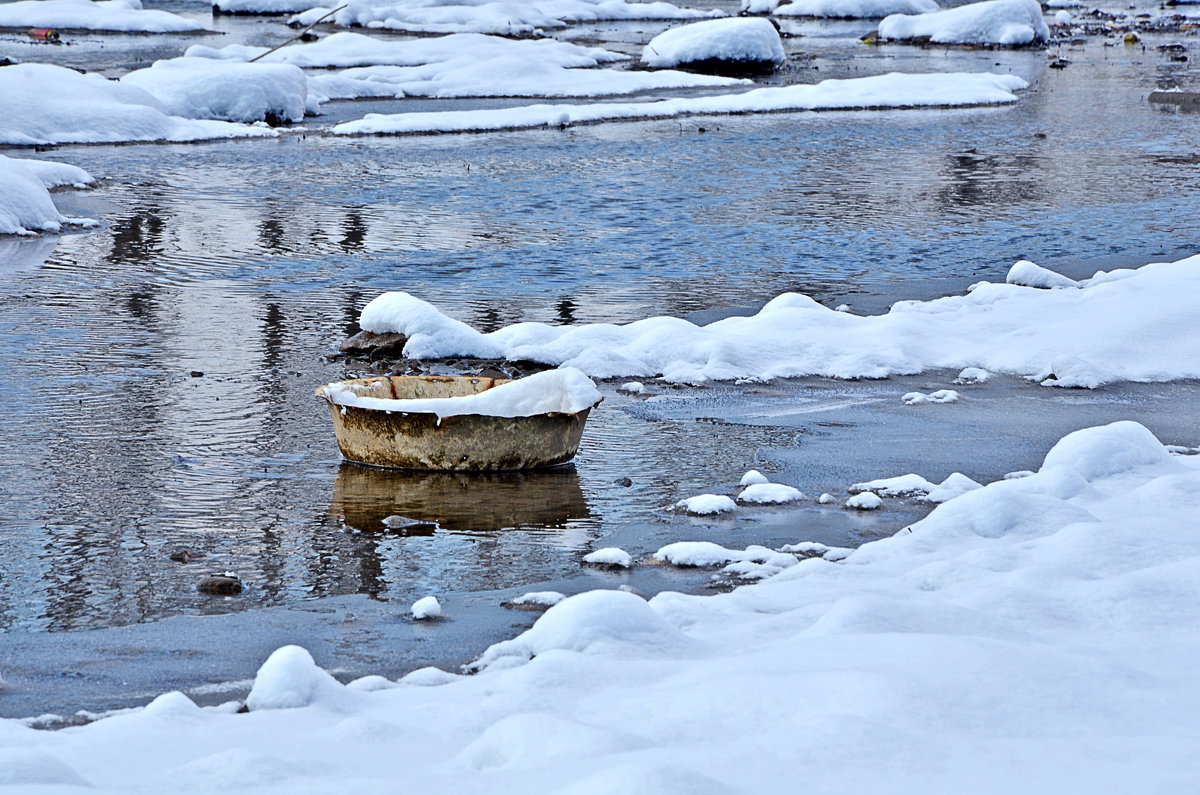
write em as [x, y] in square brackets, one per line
[501, 18]
[1127, 325]
[25, 204]
[124, 16]
[728, 40]
[565, 390]
[1034, 635]
[893, 90]
[1003, 22]
[203, 88]
[853, 9]
[461, 65]
[46, 104]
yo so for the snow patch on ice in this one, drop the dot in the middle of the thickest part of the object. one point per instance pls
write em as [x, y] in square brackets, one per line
[866, 501]
[706, 504]
[940, 396]
[770, 494]
[609, 556]
[427, 607]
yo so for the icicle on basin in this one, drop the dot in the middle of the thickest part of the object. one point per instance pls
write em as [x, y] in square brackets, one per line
[461, 423]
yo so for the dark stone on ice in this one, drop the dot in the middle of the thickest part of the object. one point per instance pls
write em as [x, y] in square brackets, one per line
[409, 527]
[196, 374]
[365, 343]
[626, 482]
[220, 585]
[185, 555]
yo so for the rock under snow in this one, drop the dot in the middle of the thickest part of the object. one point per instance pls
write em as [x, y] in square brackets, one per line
[866, 501]
[770, 494]
[203, 88]
[46, 104]
[125, 16]
[1028, 274]
[753, 477]
[706, 504]
[609, 556]
[426, 607]
[742, 45]
[853, 9]
[997, 22]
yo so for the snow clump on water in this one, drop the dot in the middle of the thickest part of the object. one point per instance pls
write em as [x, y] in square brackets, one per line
[866, 501]
[706, 505]
[1002, 22]
[427, 607]
[770, 494]
[1141, 324]
[25, 203]
[752, 478]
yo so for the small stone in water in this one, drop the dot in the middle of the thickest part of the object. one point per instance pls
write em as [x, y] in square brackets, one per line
[220, 585]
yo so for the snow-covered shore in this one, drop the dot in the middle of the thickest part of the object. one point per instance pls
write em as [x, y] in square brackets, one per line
[1127, 325]
[25, 203]
[1031, 635]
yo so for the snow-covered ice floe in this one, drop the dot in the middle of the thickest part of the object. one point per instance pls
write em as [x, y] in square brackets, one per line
[744, 44]
[893, 90]
[1011, 23]
[203, 88]
[46, 104]
[261, 6]
[564, 390]
[853, 9]
[121, 16]
[502, 18]
[462, 65]
[1036, 635]
[1127, 325]
[25, 203]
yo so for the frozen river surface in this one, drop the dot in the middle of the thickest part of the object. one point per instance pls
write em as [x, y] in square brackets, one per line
[158, 371]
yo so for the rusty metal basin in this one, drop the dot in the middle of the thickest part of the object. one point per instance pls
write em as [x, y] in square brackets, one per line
[468, 442]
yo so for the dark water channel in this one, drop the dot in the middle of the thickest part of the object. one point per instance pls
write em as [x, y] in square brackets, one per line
[158, 372]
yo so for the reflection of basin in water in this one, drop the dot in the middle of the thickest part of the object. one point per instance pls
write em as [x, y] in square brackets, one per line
[364, 497]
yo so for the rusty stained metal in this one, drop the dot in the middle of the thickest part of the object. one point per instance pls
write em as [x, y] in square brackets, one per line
[469, 442]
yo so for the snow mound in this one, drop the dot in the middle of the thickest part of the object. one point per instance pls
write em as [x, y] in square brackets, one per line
[813, 549]
[202, 88]
[538, 599]
[46, 104]
[893, 90]
[705, 554]
[25, 203]
[953, 486]
[753, 478]
[29, 767]
[609, 556]
[125, 16]
[866, 501]
[563, 390]
[1001, 22]
[426, 607]
[1028, 274]
[853, 9]
[1141, 324]
[706, 504]
[940, 396]
[612, 623]
[899, 486]
[290, 679]
[743, 41]
[770, 494]
[500, 18]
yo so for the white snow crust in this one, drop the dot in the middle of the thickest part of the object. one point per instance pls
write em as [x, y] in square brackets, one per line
[770, 494]
[102, 15]
[1127, 325]
[972, 375]
[853, 9]
[609, 556]
[500, 18]
[1003, 22]
[46, 104]
[750, 40]
[538, 598]
[203, 88]
[940, 396]
[564, 389]
[25, 203]
[1029, 274]
[1034, 635]
[894, 90]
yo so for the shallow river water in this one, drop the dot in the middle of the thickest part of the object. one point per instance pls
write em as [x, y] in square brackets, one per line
[158, 372]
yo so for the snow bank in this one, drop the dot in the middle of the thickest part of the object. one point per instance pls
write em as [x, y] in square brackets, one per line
[126, 16]
[46, 104]
[1034, 635]
[853, 9]
[1003, 22]
[203, 88]
[1131, 325]
[565, 390]
[25, 203]
[501, 18]
[893, 90]
[729, 41]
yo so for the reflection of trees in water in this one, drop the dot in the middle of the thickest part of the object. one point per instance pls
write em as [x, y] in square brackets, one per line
[138, 238]
[971, 181]
[489, 315]
[354, 230]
